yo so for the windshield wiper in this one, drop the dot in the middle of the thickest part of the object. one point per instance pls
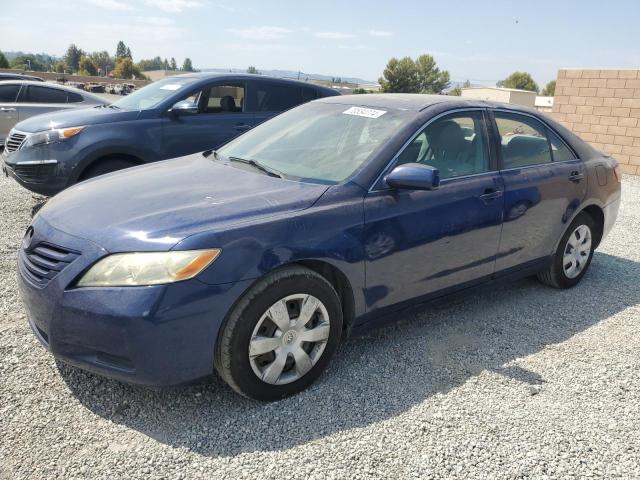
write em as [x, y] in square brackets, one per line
[269, 171]
[114, 107]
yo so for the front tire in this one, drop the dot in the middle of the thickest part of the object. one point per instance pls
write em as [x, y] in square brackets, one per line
[108, 165]
[573, 257]
[281, 335]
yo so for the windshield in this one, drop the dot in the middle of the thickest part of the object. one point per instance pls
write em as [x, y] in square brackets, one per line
[151, 95]
[318, 142]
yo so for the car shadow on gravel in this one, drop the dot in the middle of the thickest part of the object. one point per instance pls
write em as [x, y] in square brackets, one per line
[431, 349]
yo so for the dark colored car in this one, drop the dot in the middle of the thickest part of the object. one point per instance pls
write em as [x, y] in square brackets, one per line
[170, 118]
[257, 259]
[19, 76]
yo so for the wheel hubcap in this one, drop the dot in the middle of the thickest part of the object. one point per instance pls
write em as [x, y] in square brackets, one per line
[289, 339]
[577, 251]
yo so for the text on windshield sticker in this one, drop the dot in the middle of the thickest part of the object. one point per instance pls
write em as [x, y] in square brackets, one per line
[364, 112]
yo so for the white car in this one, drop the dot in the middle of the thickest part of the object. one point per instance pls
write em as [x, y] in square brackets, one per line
[21, 99]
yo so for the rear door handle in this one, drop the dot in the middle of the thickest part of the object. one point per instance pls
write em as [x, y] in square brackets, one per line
[490, 194]
[242, 127]
[576, 176]
[5, 109]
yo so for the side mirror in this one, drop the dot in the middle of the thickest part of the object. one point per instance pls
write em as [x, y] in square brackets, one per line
[184, 107]
[414, 176]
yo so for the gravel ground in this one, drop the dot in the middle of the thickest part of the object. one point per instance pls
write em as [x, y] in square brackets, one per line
[519, 381]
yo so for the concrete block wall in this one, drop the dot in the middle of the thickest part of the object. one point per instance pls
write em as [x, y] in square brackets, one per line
[603, 108]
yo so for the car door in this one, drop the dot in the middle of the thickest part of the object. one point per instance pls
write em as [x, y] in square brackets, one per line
[8, 108]
[221, 116]
[544, 182]
[38, 99]
[419, 242]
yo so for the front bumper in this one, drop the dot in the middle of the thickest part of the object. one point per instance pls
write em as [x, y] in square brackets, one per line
[41, 169]
[158, 336]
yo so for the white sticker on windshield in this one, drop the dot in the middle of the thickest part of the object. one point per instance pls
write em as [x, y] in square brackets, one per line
[364, 112]
[171, 86]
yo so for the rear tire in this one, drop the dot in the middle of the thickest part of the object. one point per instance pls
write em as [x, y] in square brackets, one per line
[103, 167]
[281, 335]
[573, 256]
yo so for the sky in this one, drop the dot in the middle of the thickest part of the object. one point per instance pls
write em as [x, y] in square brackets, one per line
[482, 41]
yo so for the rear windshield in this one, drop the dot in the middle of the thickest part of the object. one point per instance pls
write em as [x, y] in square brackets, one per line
[152, 95]
[318, 142]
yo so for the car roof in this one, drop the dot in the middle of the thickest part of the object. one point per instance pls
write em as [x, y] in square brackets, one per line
[85, 94]
[19, 76]
[417, 102]
[249, 76]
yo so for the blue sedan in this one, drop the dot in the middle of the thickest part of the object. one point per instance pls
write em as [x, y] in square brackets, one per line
[257, 259]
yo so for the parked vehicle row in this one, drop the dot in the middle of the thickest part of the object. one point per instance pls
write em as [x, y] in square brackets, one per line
[169, 118]
[256, 258]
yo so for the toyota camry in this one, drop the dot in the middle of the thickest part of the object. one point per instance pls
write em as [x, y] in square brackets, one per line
[256, 260]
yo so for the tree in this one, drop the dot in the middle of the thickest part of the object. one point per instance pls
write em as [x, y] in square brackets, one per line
[155, 63]
[174, 65]
[455, 92]
[125, 68]
[187, 66]
[30, 62]
[253, 70]
[60, 67]
[549, 89]
[521, 81]
[72, 57]
[103, 61]
[165, 64]
[122, 50]
[4, 63]
[400, 76]
[87, 67]
[430, 78]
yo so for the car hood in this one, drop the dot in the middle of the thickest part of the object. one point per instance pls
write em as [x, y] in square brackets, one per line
[153, 207]
[74, 118]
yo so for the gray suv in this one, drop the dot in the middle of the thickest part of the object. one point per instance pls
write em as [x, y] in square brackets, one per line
[170, 118]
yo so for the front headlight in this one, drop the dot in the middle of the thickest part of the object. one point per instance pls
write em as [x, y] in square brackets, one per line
[51, 136]
[147, 268]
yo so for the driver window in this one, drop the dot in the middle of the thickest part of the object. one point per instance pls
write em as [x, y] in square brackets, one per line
[224, 99]
[455, 144]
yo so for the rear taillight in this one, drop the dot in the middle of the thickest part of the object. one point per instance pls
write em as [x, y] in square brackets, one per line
[617, 172]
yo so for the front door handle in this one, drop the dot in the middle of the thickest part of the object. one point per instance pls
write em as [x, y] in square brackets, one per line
[7, 109]
[490, 194]
[576, 176]
[242, 127]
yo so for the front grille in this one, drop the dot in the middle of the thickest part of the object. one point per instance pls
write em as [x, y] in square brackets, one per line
[14, 141]
[35, 173]
[42, 263]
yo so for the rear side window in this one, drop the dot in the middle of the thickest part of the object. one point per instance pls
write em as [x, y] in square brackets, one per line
[456, 145]
[523, 141]
[559, 149]
[272, 97]
[45, 95]
[74, 97]
[9, 93]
